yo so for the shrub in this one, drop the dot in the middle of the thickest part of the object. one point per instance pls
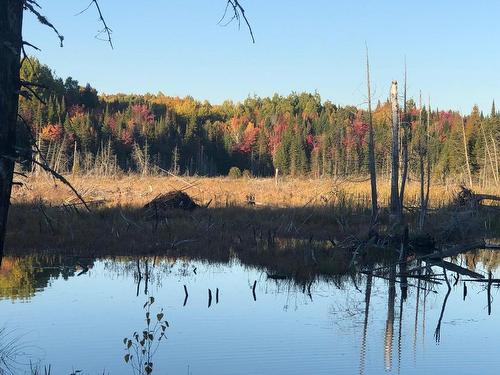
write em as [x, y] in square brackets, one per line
[247, 173]
[234, 172]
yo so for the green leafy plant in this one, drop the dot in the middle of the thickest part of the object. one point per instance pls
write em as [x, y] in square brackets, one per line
[142, 346]
[234, 172]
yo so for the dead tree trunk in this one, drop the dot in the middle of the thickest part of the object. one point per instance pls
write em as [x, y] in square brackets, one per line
[404, 146]
[11, 16]
[466, 148]
[422, 151]
[495, 153]
[371, 148]
[395, 151]
[490, 157]
[427, 140]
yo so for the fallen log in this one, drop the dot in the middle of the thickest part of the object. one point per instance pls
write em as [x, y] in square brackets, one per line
[454, 268]
[455, 250]
[400, 282]
[467, 197]
[440, 254]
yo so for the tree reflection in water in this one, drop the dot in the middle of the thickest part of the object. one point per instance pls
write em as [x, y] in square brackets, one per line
[23, 277]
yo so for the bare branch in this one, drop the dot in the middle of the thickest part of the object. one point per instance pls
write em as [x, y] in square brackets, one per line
[105, 30]
[61, 178]
[28, 94]
[29, 84]
[30, 5]
[25, 43]
[238, 13]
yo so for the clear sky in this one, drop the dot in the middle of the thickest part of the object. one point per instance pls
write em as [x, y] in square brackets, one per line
[175, 46]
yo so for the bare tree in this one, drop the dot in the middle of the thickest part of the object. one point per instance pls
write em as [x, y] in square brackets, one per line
[423, 155]
[395, 150]
[404, 148]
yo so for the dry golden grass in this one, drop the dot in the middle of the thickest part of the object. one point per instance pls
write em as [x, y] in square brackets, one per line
[135, 190]
[299, 227]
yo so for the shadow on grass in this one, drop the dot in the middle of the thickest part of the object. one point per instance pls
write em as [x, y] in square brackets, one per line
[300, 243]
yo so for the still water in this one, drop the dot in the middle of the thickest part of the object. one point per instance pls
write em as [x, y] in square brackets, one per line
[74, 315]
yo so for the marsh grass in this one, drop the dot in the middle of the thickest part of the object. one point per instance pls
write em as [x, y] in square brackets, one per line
[137, 190]
[299, 227]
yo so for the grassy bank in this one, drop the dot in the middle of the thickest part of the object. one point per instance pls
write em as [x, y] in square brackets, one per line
[136, 190]
[308, 226]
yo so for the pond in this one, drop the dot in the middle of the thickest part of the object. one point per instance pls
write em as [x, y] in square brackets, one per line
[73, 314]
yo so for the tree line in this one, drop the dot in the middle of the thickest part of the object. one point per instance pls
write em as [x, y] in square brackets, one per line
[80, 131]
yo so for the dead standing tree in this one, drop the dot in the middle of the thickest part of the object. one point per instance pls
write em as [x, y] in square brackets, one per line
[395, 204]
[404, 148]
[11, 87]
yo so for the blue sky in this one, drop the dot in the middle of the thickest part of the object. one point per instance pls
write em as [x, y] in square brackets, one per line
[175, 46]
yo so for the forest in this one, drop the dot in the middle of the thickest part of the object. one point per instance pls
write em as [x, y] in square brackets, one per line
[80, 131]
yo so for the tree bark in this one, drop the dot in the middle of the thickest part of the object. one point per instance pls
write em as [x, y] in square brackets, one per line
[395, 150]
[404, 146]
[11, 16]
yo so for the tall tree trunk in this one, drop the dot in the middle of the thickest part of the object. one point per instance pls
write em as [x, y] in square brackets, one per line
[422, 153]
[404, 146]
[395, 150]
[428, 188]
[371, 147]
[490, 157]
[495, 153]
[11, 16]
[466, 151]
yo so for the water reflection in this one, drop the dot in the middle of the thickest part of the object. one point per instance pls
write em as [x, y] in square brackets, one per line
[21, 277]
[220, 311]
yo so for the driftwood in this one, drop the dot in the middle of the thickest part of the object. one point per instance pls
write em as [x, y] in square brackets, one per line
[455, 250]
[467, 198]
[439, 255]
[454, 268]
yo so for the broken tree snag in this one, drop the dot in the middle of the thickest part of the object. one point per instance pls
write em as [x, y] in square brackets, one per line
[395, 150]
